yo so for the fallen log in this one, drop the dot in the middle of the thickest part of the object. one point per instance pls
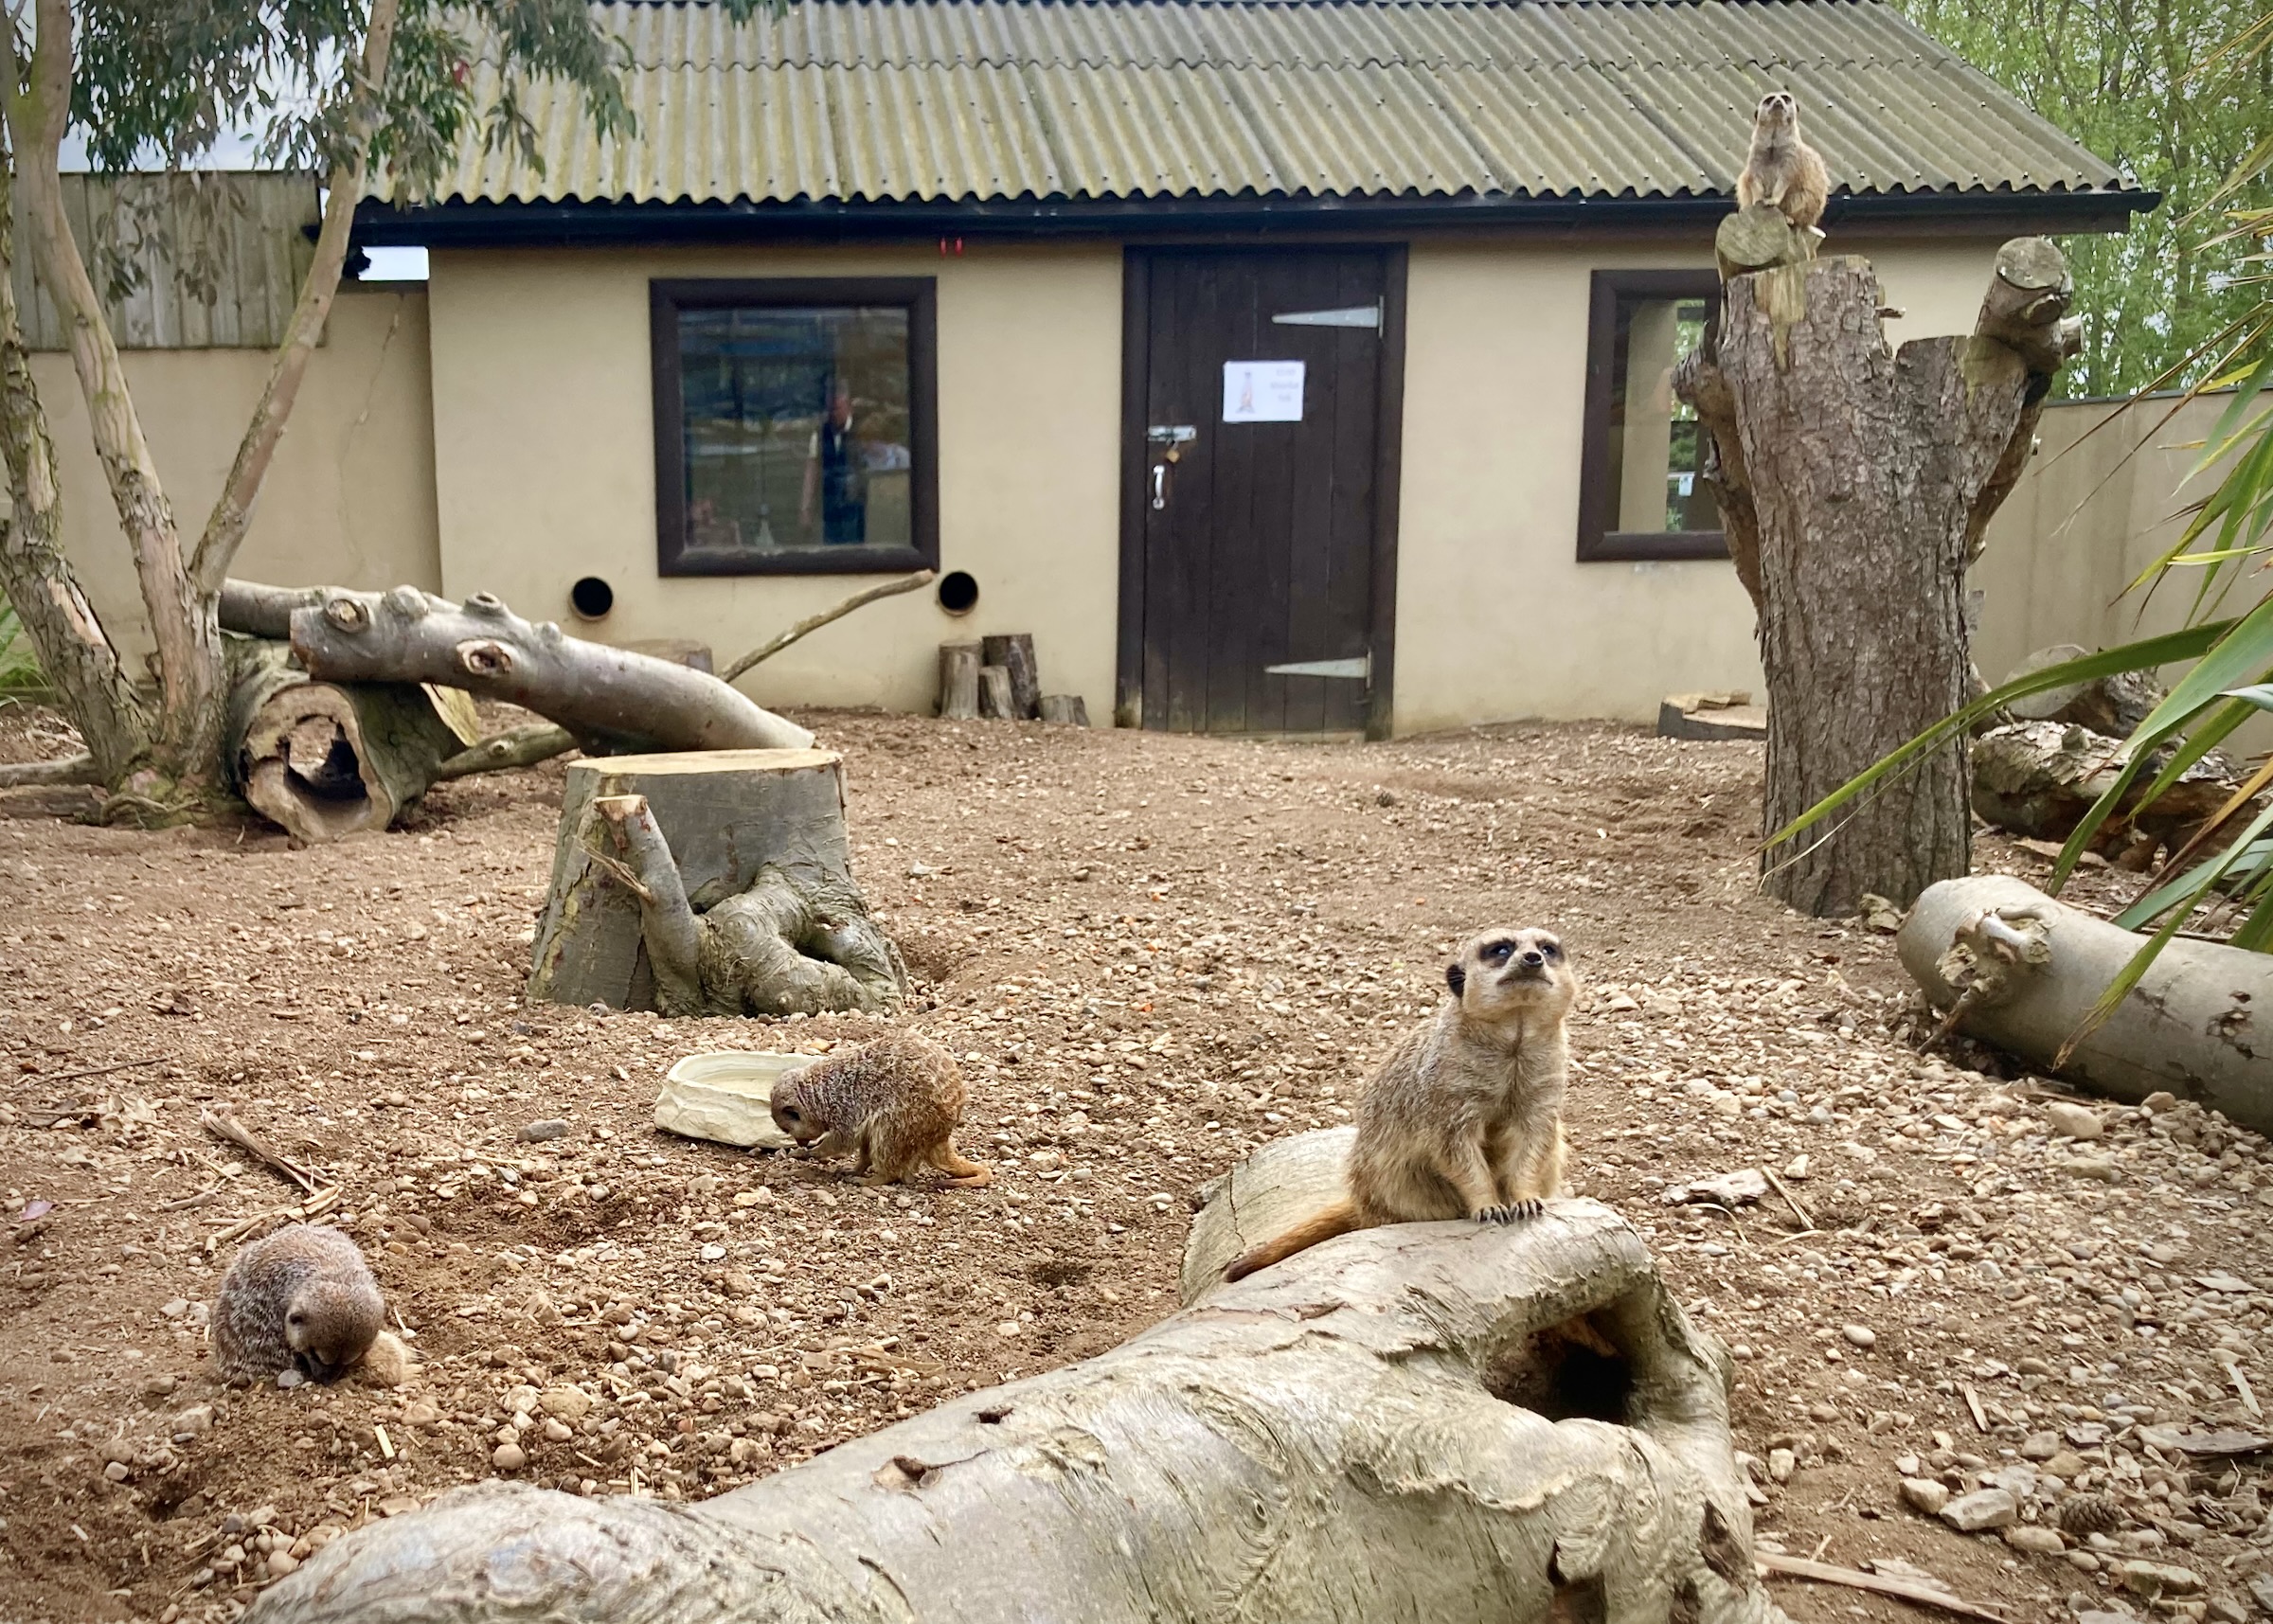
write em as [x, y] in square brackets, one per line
[728, 892]
[323, 761]
[2021, 970]
[2038, 778]
[1388, 1426]
[613, 700]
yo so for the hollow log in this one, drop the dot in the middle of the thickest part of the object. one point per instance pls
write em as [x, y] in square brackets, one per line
[1389, 1426]
[753, 842]
[1069, 710]
[613, 700]
[323, 761]
[2199, 1023]
[958, 681]
[1014, 652]
[1855, 483]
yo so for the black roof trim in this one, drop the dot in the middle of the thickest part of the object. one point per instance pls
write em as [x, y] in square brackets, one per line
[591, 224]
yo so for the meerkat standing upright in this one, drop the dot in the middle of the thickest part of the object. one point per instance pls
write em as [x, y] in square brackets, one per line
[1464, 1119]
[894, 1103]
[1781, 169]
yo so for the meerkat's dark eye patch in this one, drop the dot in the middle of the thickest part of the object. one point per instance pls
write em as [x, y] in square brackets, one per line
[1551, 947]
[1497, 952]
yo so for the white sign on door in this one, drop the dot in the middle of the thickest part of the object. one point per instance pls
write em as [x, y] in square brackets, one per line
[1263, 391]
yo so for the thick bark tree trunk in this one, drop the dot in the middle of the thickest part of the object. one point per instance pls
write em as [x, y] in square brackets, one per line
[1856, 482]
[1394, 1425]
[611, 699]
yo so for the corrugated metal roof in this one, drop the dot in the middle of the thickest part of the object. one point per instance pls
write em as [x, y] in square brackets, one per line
[877, 100]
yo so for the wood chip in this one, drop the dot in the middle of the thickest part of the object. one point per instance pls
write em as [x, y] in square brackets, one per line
[1855, 1579]
[1789, 1199]
[2241, 1386]
[386, 1445]
[1972, 1402]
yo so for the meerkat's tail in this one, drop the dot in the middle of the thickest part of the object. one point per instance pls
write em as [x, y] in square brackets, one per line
[961, 1174]
[1339, 1219]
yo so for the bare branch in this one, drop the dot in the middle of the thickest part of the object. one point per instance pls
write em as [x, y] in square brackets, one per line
[815, 622]
[67, 770]
[521, 747]
[233, 514]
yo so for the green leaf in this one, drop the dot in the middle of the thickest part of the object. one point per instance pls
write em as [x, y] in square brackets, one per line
[2144, 655]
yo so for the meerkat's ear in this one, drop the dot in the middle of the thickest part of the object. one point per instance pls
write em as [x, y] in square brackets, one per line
[1456, 978]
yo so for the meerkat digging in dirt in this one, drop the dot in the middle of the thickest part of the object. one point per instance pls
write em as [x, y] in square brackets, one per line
[894, 1103]
[299, 1300]
[1465, 1117]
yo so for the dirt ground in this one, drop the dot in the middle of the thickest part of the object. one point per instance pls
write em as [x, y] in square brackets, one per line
[1152, 953]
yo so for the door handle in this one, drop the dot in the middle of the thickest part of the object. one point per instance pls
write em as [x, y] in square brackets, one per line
[1159, 486]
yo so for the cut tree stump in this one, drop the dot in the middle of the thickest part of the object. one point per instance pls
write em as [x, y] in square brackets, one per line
[958, 681]
[1069, 710]
[1855, 483]
[323, 761]
[997, 701]
[1393, 1426]
[613, 700]
[2026, 970]
[765, 827]
[1014, 652]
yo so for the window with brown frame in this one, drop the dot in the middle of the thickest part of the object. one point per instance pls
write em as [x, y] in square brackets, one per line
[1640, 491]
[796, 425]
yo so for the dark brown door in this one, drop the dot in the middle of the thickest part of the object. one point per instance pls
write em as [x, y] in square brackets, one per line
[1257, 514]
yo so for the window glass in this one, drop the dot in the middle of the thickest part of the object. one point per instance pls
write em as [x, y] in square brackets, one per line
[797, 438]
[1655, 443]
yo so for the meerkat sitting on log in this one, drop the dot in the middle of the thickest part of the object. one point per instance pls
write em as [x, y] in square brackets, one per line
[894, 1103]
[301, 1300]
[1464, 1119]
[1781, 169]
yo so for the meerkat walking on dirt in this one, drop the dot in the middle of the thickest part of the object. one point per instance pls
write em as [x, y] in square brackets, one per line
[1781, 169]
[301, 1300]
[1464, 1119]
[894, 1103]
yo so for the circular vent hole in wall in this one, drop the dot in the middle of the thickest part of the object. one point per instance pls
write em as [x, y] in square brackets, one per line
[958, 592]
[592, 598]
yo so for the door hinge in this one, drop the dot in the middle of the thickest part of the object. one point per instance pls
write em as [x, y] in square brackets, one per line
[1360, 669]
[1347, 316]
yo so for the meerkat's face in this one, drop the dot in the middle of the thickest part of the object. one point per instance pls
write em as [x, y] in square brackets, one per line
[327, 1328]
[793, 1116]
[1779, 110]
[1511, 972]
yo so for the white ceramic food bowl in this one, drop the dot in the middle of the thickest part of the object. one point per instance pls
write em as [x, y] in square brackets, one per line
[726, 1096]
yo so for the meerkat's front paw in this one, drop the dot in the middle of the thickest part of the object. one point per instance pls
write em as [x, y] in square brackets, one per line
[1531, 1207]
[1496, 1215]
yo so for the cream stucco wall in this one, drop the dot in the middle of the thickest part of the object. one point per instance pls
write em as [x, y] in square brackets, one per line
[1496, 617]
[349, 497]
[544, 461]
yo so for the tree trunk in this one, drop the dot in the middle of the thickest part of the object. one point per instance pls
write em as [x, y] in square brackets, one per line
[185, 758]
[1407, 1423]
[324, 762]
[1070, 710]
[611, 699]
[721, 823]
[2199, 1023]
[1861, 479]
[997, 701]
[79, 660]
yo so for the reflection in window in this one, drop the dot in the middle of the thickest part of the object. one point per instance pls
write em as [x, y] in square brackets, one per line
[1657, 449]
[797, 435]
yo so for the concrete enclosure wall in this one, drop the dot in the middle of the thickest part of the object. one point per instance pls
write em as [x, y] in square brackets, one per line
[1496, 619]
[349, 497]
[546, 467]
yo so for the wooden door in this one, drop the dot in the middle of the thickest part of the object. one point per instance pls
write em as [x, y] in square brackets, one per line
[1255, 534]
